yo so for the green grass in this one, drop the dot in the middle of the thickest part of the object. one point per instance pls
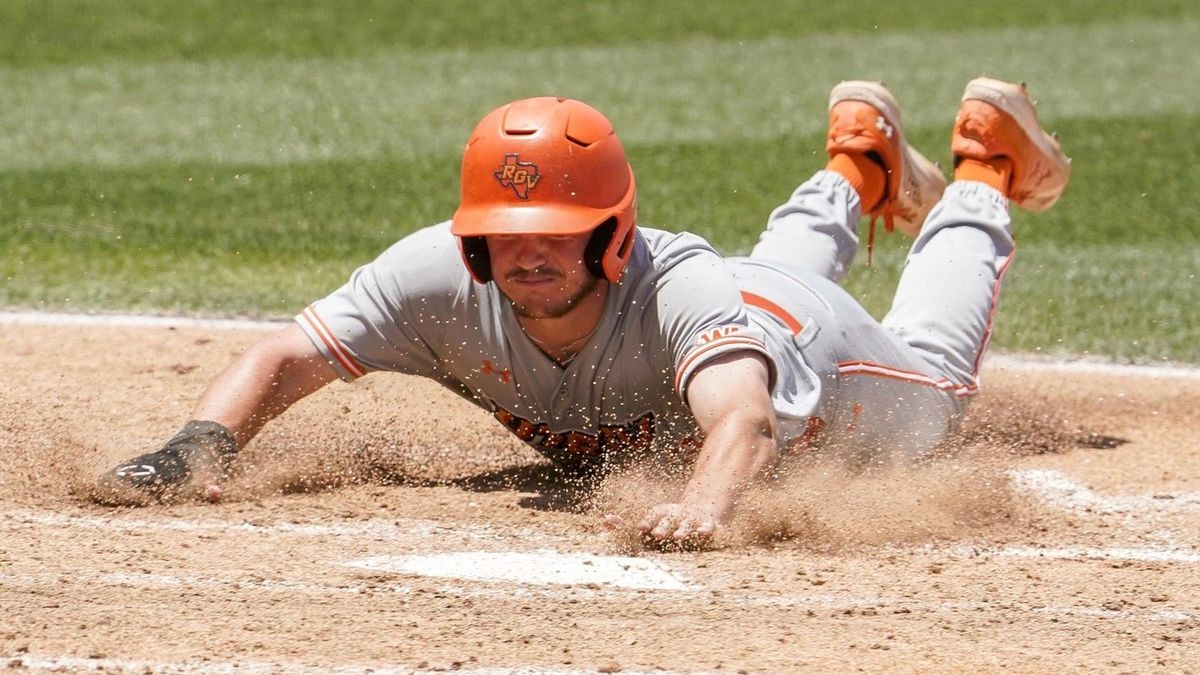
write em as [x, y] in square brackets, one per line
[417, 104]
[267, 240]
[39, 32]
[243, 158]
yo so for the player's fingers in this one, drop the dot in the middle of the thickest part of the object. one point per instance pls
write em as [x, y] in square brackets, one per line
[646, 524]
[653, 518]
[696, 530]
[612, 521]
[707, 528]
[666, 525]
[685, 530]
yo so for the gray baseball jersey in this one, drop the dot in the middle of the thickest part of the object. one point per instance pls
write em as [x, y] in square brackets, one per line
[416, 310]
[896, 386]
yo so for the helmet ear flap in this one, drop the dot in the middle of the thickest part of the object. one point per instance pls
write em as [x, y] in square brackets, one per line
[618, 252]
[477, 257]
[597, 247]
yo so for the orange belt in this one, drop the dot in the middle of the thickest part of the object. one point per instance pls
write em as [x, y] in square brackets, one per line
[774, 310]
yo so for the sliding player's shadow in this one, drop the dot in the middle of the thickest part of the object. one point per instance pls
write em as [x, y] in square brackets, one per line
[549, 488]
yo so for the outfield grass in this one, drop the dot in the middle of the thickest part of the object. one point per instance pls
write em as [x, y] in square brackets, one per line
[36, 32]
[155, 157]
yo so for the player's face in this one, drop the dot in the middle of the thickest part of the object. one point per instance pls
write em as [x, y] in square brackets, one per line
[544, 277]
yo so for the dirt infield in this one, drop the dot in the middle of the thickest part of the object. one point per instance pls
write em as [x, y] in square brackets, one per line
[387, 526]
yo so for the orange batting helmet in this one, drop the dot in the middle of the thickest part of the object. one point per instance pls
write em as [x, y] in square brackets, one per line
[547, 166]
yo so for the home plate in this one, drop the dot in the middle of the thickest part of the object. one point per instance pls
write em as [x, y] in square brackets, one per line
[540, 567]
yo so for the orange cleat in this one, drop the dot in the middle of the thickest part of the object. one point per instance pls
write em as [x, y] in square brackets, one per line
[864, 119]
[998, 120]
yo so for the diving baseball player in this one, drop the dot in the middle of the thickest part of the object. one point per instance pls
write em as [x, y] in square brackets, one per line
[595, 340]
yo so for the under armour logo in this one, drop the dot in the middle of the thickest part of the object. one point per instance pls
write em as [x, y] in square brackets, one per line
[882, 125]
[136, 471]
[505, 375]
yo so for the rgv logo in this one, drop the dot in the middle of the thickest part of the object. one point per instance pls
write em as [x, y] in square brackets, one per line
[520, 176]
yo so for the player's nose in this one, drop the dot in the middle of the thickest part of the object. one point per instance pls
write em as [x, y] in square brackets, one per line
[530, 252]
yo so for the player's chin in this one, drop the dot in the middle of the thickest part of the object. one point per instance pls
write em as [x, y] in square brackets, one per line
[542, 307]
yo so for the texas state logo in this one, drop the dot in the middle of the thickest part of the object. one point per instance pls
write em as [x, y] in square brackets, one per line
[520, 177]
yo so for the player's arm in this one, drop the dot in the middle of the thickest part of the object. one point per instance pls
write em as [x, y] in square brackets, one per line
[367, 321]
[266, 380]
[260, 384]
[730, 399]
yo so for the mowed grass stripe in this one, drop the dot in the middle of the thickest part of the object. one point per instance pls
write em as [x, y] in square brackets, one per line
[1132, 184]
[34, 33]
[416, 104]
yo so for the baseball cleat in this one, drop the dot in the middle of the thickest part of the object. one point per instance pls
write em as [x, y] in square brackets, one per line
[998, 119]
[864, 118]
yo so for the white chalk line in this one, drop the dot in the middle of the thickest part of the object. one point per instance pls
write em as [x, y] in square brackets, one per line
[154, 580]
[287, 586]
[546, 567]
[473, 534]
[133, 321]
[825, 601]
[79, 663]
[1003, 361]
[1141, 554]
[895, 605]
[1089, 366]
[1058, 490]
[379, 530]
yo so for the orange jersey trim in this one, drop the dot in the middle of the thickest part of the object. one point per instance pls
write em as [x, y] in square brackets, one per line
[335, 347]
[893, 373]
[987, 334]
[774, 310]
[723, 342]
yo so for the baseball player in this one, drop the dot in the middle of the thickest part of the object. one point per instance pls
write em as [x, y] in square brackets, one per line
[595, 340]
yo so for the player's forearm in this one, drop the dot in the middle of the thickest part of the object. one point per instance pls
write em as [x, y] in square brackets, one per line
[262, 383]
[736, 450]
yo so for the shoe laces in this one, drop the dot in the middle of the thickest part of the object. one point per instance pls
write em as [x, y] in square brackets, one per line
[888, 213]
[871, 235]
[975, 127]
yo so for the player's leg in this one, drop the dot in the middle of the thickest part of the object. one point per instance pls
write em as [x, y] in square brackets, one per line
[947, 295]
[900, 408]
[871, 170]
[844, 374]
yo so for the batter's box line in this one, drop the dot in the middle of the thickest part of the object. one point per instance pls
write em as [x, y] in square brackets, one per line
[1133, 554]
[830, 602]
[379, 530]
[1057, 489]
[208, 667]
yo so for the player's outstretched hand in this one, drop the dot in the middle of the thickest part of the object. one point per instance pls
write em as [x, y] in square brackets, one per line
[681, 524]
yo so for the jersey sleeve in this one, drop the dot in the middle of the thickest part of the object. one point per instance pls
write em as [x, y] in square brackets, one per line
[700, 312]
[387, 316]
